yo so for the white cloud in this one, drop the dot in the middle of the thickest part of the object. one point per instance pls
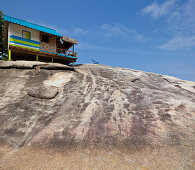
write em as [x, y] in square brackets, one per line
[119, 30]
[182, 20]
[156, 10]
[181, 24]
[179, 43]
[78, 31]
[72, 31]
[88, 46]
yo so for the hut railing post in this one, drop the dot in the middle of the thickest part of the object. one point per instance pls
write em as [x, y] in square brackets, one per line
[9, 54]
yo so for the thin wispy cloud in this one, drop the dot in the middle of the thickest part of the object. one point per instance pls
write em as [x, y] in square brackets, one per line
[121, 31]
[179, 43]
[181, 24]
[117, 31]
[88, 46]
[182, 19]
[71, 31]
[157, 10]
[79, 31]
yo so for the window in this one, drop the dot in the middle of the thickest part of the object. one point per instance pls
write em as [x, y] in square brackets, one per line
[45, 38]
[26, 34]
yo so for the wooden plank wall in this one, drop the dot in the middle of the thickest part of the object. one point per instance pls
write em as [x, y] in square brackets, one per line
[49, 47]
[5, 38]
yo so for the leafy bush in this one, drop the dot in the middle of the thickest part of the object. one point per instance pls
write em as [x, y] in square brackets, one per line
[3, 46]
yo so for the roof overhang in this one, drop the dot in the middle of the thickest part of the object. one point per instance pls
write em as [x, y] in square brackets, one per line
[31, 25]
[69, 40]
[14, 20]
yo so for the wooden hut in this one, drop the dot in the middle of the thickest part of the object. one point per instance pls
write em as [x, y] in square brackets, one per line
[29, 41]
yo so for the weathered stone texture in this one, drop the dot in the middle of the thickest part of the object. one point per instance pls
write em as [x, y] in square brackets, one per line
[98, 106]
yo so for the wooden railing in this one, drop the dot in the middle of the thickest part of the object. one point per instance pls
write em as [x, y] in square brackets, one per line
[67, 52]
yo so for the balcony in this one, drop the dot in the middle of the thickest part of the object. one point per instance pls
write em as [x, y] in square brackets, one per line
[66, 53]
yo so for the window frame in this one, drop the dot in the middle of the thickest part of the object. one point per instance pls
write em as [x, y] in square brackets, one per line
[23, 34]
[47, 36]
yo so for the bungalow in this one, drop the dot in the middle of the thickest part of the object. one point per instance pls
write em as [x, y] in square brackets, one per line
[29, 41]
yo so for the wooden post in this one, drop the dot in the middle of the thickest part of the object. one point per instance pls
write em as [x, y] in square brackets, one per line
[52, 59]
[9, 55]
[37, 57]
[73, 63]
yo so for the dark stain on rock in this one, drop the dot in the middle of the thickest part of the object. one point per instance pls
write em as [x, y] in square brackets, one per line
[66, 141]
[173, 138]
[88, 78]
[158, 102]
[135, 80]
[35, 79]
[114, 118]
[119, 127]
[10, 131]
[138, 135]
[181, 107]
[164, 115]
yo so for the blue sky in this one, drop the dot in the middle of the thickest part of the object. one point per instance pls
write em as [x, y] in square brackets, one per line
[155, 36]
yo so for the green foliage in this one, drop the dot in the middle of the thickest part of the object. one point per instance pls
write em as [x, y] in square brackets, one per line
[1, 32]
[3, 46]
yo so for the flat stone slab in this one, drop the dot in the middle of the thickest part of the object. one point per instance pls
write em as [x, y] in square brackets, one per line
[20, 64]
[44, 92]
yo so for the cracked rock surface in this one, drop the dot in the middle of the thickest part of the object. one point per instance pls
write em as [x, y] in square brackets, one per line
[106, 116]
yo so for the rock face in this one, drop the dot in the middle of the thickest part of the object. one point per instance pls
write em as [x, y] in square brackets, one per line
[20, 64]
[99, 107]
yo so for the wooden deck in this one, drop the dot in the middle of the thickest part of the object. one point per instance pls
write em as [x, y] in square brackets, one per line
[64, 57]
[67, 52]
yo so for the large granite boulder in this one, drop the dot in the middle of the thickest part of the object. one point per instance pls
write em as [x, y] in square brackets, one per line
[95, 117]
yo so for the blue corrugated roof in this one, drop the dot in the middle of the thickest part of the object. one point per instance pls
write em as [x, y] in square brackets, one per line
[31, 25]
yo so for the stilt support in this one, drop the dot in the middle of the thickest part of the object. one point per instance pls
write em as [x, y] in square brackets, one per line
[9, 55]
[52, 59]
[37, 57]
